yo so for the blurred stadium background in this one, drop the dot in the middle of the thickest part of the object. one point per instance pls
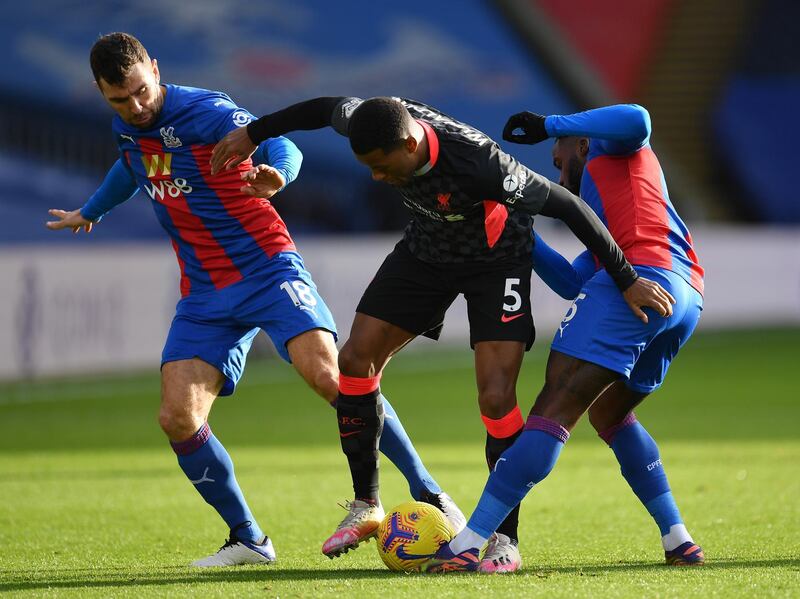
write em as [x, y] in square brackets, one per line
[83, 318]
[720, 79]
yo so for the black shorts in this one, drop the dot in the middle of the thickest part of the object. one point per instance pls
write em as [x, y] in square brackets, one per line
[414, 295]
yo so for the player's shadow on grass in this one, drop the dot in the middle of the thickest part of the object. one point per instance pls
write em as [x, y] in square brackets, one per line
[714, 564]
[123, 577]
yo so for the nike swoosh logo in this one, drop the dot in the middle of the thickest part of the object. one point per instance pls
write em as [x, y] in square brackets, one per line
[349, 434]
[506, 318]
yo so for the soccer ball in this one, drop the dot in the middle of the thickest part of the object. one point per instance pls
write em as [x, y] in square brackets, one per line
[411, 533]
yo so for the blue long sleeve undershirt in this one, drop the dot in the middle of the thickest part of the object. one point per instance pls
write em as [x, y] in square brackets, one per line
[619, 129]
[563, 277]
[118, 186]
[281, 154]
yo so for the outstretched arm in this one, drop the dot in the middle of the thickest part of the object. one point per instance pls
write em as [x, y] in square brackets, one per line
[620, 129]
[239, 145]
[118, 186]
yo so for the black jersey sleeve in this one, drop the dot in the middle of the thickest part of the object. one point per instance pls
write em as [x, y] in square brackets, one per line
[340, 119]
[587, 227]
[505, 180]
[330, 111]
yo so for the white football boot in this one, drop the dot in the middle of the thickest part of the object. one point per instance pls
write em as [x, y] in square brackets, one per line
[236, 552]
[445, 503]
[501, 556]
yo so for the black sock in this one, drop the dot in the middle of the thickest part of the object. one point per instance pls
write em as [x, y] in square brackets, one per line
[494, 449]
[360, 424]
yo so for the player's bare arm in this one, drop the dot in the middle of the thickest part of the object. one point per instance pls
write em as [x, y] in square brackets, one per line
[262, 181]
[232, 150]
[68, 220]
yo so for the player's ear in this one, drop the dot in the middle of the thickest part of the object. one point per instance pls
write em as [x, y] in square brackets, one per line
[156, 74]
[583, 147]
[411, 144]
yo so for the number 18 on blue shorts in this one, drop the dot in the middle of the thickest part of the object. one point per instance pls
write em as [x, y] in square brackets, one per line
[219, 326]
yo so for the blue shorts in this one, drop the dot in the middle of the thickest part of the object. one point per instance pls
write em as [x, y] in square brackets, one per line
[600, 328]
[219, 326]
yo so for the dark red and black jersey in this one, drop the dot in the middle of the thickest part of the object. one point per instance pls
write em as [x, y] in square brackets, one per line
[472, 202]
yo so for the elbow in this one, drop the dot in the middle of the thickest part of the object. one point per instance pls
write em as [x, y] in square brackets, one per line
[639, 121]
[294, 154]
[294, 167]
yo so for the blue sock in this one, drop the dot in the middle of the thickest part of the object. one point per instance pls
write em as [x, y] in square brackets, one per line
[396, 446]
[640, 462]
[521, 466]
[209, 468]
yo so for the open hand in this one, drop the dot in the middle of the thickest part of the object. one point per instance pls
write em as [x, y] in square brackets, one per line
[645, 293]
[232, 150]
[262, 181]
[72, 220]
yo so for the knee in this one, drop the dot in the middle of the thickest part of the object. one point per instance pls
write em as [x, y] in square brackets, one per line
[178, 422]
[495, 402]
[355, 362]
[553, 404]
[599, 419]
[602, 418]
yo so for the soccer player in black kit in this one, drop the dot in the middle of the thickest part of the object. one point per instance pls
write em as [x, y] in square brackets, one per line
[472, 211]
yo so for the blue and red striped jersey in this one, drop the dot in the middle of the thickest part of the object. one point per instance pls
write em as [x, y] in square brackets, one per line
[219, 234]
[624, 184]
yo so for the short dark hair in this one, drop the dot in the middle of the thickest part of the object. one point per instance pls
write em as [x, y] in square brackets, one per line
[379, 123]
[114, 55]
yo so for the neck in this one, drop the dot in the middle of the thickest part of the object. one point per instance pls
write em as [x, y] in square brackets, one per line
[422, 153]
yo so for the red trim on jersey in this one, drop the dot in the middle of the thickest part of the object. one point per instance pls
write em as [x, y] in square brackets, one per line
[433, 143]
[494, 221]
[186, 283]
[508, 425]
[697, 271]
[352, 385]
[256, 215]
[192, 230]
[635, 210]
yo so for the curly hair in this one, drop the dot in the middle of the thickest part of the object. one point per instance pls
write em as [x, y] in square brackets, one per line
[379, 123]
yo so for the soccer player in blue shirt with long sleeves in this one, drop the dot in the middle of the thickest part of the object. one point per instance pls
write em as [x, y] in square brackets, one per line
[240, 273]
[609, 361]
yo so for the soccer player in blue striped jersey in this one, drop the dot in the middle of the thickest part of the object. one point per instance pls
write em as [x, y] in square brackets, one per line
[240, 273]
[602, 359]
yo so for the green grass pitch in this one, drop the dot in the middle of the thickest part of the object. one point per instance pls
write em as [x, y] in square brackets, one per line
[92, 503]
